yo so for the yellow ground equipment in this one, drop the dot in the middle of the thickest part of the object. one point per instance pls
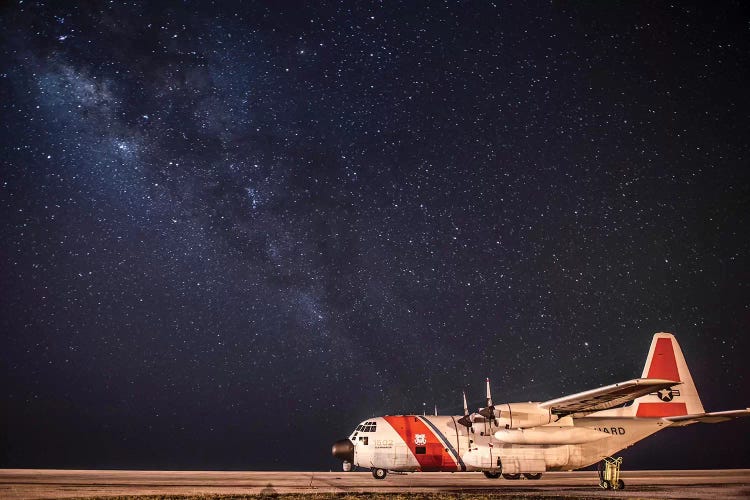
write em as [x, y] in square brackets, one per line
[609, 474]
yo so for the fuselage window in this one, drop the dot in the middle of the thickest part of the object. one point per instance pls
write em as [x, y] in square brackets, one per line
[420, 450]
[365, 441]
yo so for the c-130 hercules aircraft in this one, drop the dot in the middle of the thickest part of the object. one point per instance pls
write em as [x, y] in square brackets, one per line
[561, 434]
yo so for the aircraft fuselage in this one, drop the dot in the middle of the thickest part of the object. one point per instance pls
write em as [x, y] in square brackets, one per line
[440, 443]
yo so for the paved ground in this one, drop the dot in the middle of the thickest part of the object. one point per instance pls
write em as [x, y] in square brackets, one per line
[17, 484]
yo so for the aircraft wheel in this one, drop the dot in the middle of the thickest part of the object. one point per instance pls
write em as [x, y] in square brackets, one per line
[379, 473]
[491, 475]
[512, 476]
[605, 484]
[620, 485]
[533, 475]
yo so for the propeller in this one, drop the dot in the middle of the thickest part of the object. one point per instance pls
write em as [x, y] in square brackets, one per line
[466, 420]
[489, 411]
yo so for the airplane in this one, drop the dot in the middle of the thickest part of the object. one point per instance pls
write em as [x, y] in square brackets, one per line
[529, 438]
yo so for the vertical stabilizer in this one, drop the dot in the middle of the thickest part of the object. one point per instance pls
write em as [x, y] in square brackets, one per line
[665, 361]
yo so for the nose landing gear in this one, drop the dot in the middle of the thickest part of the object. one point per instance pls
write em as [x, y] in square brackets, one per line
[379, 473]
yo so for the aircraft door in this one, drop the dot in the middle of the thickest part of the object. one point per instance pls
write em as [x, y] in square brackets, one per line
[401, 456]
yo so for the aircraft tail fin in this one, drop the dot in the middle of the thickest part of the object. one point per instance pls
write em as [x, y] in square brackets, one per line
[666, 361]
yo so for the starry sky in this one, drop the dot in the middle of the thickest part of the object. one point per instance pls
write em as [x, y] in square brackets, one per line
[229, 232]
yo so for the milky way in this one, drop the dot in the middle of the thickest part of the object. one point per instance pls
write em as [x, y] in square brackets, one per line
[232, 232]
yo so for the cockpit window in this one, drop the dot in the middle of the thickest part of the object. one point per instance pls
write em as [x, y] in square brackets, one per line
[366, 427]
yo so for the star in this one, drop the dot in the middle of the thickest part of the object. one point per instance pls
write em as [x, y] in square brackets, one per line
[665, 394]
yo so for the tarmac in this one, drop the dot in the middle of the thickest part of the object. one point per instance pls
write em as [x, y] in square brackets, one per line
[22, 484]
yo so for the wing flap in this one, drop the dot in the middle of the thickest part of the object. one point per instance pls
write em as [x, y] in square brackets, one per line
[606, 397]
[713, 417]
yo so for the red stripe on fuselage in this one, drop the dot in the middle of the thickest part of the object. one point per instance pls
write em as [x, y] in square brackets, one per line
[436, 457]
[663, 363]
[661, 409]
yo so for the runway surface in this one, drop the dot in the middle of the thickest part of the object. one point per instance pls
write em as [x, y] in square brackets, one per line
[18, 484]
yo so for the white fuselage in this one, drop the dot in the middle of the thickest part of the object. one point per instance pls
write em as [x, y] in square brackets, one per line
[440, 443]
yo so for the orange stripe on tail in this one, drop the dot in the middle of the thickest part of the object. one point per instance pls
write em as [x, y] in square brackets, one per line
[663, 364]
[661, 409]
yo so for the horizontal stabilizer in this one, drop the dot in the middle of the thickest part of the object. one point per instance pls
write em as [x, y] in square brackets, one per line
[606, 397]
[713, 417]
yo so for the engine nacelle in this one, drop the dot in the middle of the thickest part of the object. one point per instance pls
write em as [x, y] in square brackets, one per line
[522, 415]
[550, 435]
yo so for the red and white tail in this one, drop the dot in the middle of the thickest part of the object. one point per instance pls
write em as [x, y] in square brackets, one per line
[665, 361]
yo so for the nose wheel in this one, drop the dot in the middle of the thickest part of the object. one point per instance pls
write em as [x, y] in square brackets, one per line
[379, 473]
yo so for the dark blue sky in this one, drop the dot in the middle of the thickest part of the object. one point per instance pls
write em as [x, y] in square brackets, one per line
[230, 232]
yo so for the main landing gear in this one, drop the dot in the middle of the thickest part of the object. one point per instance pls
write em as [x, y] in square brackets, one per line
[379, 473]
[512, 477]
[528, 475]
[609, 474]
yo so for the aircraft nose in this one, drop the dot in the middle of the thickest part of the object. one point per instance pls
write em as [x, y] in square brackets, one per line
[343, 449]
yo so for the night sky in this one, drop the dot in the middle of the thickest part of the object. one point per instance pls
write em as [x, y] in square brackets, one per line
[230, 232]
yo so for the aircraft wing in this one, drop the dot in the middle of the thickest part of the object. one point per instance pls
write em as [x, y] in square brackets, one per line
[606, 397]
[713, 417]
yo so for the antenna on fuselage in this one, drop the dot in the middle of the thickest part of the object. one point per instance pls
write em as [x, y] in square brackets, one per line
[436, 411]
